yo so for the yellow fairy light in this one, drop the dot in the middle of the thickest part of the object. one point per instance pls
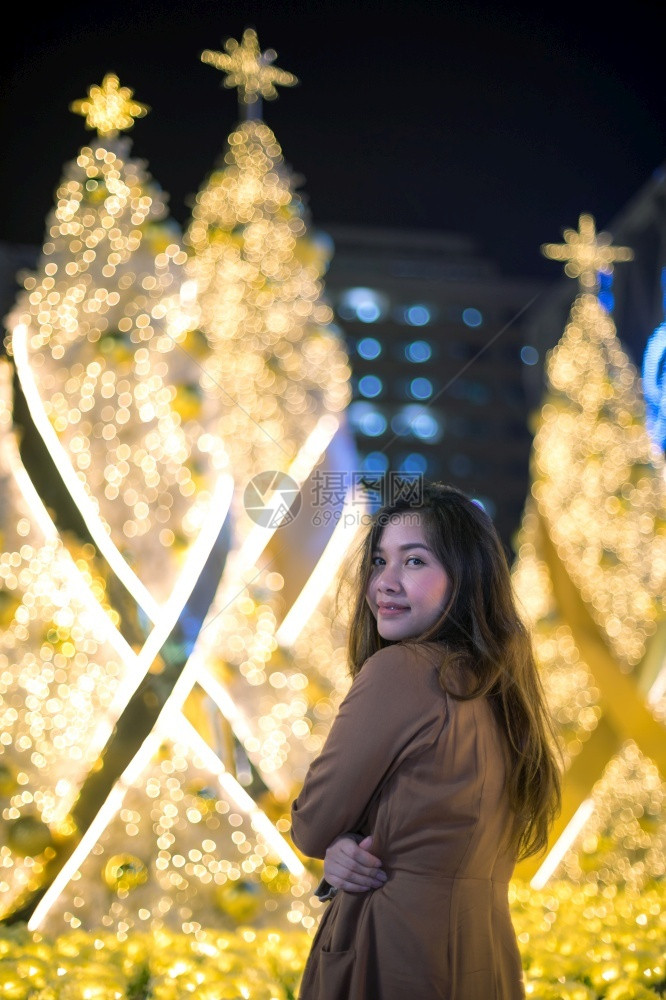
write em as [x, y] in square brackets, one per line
[623, 838]
[106, 351]
[141, 445]
[201, 848]
[109, 108]
[573, 698]
[249, 69]
[591, 578]
[61, 668]
[599, 480]
[277, 361]
[586, 253]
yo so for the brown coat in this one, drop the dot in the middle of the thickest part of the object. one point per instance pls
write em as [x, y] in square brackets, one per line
[424, 773]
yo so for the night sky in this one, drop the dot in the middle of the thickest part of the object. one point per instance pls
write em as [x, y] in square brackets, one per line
[496, 120]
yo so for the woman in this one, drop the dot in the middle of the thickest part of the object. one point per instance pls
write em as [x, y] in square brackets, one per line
[438, 773]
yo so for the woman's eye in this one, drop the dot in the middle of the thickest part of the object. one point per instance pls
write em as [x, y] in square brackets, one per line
[415, 561]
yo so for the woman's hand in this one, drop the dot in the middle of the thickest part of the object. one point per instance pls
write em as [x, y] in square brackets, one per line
[349, 865]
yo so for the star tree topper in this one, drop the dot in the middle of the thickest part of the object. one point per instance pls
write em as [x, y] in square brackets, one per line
[109, 108]
[249, 69]
[586, 253]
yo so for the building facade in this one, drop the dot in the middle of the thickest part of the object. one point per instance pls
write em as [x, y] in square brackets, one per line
[441, 361]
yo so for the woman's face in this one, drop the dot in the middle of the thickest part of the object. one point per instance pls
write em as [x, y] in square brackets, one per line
[408, 587]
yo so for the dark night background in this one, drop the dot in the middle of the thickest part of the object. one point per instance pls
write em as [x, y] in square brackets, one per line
[498, 120]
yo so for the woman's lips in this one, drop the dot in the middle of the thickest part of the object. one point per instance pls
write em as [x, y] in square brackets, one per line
[391, 610]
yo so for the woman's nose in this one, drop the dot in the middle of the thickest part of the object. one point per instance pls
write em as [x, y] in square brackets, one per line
[388, 580]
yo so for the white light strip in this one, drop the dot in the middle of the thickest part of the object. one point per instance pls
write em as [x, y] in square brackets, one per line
[656, 692]
[563, 843]
[221, 697]
[87, 509]
[258, 538]
[313, 447]
[235, 791]
[196, 559]
[137, 666]
[173, 727]
[323, 573]
[110, 807]
[239, 724]
[109, 632]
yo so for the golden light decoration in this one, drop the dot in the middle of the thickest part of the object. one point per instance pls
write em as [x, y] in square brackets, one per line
[277, 360]
[625, 838]
[249, 69]
[123, 872]
[109, 108]
[108, 360]
[586, 253]
[576, 942]
[60, 672]
[599, 481]
[186, 867]
[572, 695]
[95, 336]
[28, 836]
[591, 578]
[106, 338]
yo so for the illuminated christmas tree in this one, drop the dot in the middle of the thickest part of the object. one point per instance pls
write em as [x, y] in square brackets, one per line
[591, 579]
[112, 769]
[204, 452]
[279, 374]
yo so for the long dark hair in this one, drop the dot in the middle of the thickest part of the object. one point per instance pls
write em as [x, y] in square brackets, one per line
[482, 635]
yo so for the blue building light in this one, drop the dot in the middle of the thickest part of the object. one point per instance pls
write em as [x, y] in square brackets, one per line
[472, 317]
[417, 315]
[529, 355]
[654, 386]
[370, 386]
[375, 461]
[372, 424]
[414, 462]
[605, 293]
[418, 351]
[369, 348]
[417, 421]
[420, 388]
[364, 304]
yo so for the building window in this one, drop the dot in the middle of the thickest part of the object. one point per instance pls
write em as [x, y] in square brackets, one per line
[414, 462]
[367, 419]
[363, 304]
[420, 388]
[369, 348]
[370, 386]
[416, 421]
[416, 315]
[472, 317]
[529, 355]
[375, 461]
[418, 351]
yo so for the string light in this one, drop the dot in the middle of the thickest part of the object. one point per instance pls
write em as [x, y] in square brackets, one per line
[112, 341]
[277, 363]
[590, 578]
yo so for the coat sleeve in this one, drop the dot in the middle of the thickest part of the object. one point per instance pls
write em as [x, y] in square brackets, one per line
[390, 711]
